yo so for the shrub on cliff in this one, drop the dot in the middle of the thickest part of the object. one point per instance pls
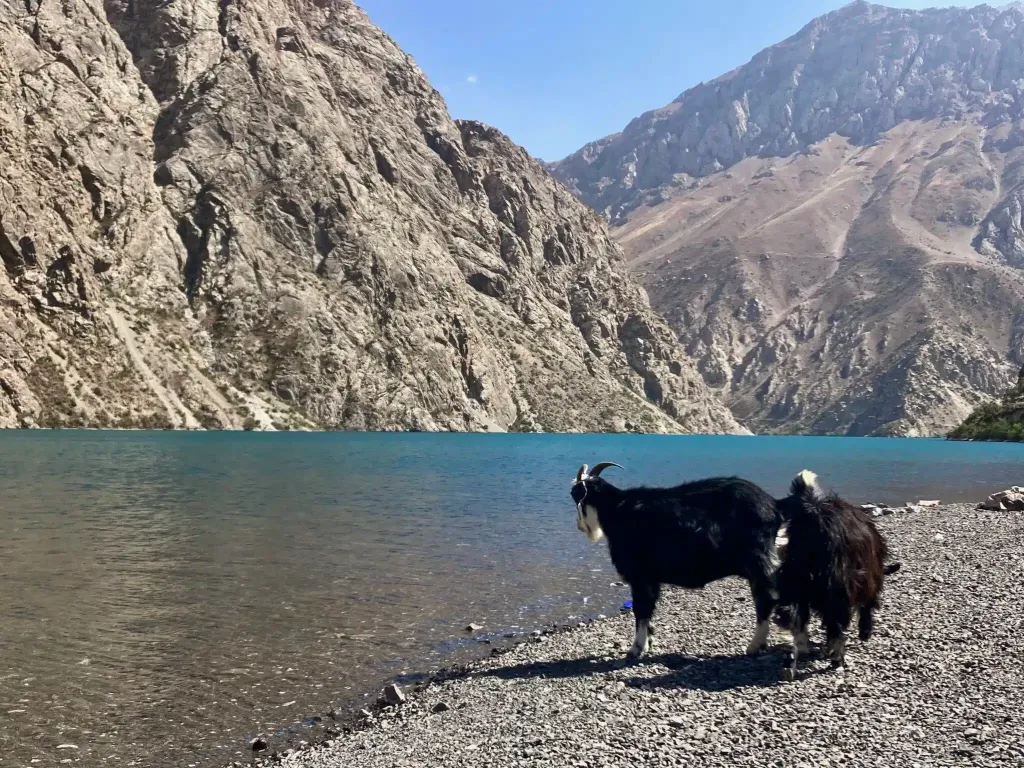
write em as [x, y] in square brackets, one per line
[996, 421]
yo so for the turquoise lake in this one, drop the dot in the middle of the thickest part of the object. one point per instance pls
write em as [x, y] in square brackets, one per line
[166, 596]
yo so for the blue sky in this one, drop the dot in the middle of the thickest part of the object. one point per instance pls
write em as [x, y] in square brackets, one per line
[555, 74]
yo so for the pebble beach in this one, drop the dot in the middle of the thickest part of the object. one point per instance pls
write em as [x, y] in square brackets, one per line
[940, 684]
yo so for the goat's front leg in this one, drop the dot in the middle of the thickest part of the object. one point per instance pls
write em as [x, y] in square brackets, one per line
[645, 598]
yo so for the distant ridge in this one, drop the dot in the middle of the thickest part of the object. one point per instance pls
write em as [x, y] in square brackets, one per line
[834, 228]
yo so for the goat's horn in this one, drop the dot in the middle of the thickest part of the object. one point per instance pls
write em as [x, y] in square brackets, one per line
[582, 473]
[603, 466]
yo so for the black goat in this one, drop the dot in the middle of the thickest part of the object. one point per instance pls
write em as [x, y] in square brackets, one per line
[688, 536]
[833, 563]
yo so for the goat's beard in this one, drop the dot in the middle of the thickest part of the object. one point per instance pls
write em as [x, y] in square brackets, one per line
[589, 524]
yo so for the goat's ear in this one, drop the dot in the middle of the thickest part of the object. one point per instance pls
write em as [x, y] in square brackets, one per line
[581, 473]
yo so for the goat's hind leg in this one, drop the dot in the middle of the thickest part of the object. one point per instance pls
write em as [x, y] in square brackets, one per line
[837, 648]
[866, 622]
[800, 618]
[645, 597]
[764, 604]
[835, 632]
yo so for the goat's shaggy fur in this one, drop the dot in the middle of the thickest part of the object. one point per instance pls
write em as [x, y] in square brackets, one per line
[687, 536]
[833, 564]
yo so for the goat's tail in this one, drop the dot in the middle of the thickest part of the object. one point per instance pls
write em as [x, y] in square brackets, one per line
[805, 485]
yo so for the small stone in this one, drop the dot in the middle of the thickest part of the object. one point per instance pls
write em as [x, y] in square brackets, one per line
[474, 628]
[67, 746]
[393, 695]
[258, 744]
[928, 503]
[440, 707]
[939, 538]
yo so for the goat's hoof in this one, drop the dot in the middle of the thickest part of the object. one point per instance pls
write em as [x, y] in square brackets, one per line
[754, 649]
[634, 654]
[789, 674]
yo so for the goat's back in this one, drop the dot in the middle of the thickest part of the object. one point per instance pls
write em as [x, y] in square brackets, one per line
[694, 533]
[834, 552]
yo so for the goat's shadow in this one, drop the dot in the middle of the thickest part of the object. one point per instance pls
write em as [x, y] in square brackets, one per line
[713, 673]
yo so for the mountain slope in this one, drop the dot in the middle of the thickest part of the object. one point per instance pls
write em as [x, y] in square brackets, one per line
[215, 213]
[834, 229]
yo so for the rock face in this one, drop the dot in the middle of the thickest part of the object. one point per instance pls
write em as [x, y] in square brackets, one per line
[835, 228]
[225, 214]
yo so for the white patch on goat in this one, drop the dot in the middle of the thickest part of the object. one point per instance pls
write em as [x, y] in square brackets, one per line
[642, 643]
[781, 540]
[760, 640]
[810, 481]
[586, 521]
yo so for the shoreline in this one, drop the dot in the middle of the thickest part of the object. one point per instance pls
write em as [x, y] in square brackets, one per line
[347, 718]
[450, 710]
[314, 431]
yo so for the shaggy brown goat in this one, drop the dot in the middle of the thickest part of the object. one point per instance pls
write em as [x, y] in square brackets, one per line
[832, 564]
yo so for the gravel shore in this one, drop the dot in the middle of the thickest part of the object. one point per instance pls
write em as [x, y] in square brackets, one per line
[940, 684]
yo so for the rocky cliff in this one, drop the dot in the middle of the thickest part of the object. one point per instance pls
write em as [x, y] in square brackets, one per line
[834, 229]
[226, 214]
